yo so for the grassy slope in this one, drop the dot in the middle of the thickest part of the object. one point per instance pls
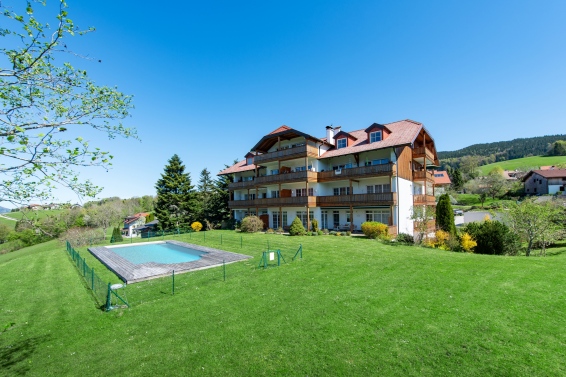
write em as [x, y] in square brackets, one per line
[351, 307]
[525, 163]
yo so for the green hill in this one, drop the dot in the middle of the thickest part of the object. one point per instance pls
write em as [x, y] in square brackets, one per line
[351, 307]
[526, 163]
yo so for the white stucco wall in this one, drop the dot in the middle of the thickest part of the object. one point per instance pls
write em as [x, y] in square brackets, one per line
[405, 204]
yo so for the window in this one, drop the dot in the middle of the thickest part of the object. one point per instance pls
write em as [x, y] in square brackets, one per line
[274, 194]
[324, 220]
[276, 220]
[284, 219]
[302, 215]
[374, 136]
[379, 215]
[348, 218]
[250, 160]
[275, 172]
[341, 143]
[439, 175]
[336, 218]
[381, 161]
[303, 192]
[379, 189]
[341, 191]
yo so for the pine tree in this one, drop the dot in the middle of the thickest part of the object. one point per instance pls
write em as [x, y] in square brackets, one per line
[457, 181]
[445, 215]
[205, 190]
[219, 210]
[175, 206]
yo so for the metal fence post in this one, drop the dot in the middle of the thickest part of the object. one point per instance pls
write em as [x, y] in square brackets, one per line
[224, 264]
[92, 279]
[241, 239]
[173, 282]
[109, 298]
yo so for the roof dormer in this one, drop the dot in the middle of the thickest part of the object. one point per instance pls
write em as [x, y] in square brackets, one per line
[343, 139]
[249, 158]
[377, 132]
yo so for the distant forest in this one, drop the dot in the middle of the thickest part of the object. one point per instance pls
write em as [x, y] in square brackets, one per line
[501, 151]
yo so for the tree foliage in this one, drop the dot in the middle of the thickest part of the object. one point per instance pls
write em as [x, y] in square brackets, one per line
[297, 228]
[45, 105]
[175, 205]
[445, 215]
[558, 148]
[251, 224]
[422, 216]
[536, 223]
[492, 237]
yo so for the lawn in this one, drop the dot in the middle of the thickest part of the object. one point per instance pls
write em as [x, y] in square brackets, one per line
[534, 162]
[352, 306]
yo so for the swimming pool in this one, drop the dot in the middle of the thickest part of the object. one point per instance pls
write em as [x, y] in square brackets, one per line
[149, 260]
[161, 252]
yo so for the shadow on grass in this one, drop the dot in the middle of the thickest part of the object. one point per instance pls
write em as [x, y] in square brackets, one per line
[13, 357]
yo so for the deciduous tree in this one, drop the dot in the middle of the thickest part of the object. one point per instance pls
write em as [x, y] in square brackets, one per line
[46, 104]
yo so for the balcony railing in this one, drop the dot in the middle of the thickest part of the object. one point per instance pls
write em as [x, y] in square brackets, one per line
[423, 175]
[299, 176]
[387, 198]
[423, 152]
[241, 185]
[362, 171]
[294, 201]
[424, 199]
[287, 154]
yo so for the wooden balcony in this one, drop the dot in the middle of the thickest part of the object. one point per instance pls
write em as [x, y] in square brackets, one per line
[423, 175]
[287, 154]
[425, 200]
[242, 185]
[359, 172]
[294, 201]
[430, 226]
[387, 198]
[299, 176]
[392, 229]
[422, 152]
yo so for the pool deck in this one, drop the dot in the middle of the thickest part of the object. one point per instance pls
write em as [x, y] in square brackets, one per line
[132, 273]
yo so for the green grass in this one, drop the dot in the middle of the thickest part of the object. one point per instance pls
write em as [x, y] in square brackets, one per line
[534, 162]
[33, 214]
[352, 307]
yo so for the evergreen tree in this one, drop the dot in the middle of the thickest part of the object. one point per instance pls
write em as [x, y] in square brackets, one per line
[205, 189]
[457, 181]
[445, 215]
[219, 210]
[175, 206]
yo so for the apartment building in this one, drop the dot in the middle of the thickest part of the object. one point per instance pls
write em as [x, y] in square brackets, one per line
[343, 179]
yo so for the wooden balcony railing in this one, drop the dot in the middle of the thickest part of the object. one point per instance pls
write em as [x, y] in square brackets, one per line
[424, 199]
[287, 154]
[299, 176]
[392, 229]
[423, 175]
[241, 185]
[423, 152]
[362, 171]
[294, 201]
[387, 198]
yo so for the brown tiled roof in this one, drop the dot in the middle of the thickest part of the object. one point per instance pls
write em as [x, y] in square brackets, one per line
[555, 173]
[280, 129]
[237, 168]
[403, 132]
[444, 180]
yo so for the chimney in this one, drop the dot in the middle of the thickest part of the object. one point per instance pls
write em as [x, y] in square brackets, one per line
[330, 135]
[337, 129]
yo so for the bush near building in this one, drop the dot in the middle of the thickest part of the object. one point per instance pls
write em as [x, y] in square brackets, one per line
[374, 229]
[297, 228]
[251, 224]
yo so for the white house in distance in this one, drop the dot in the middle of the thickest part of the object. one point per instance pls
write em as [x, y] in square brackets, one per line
[132, 223]
[552, 181]
[342, 180]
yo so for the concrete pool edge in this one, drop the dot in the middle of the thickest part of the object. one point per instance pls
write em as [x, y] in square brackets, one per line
[133, 273]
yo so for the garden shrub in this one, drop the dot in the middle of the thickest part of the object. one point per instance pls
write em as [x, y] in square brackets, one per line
[445, 215]
[251, 224]
[314, 225]
[332, 232]
[117, 235]
[373, 229]
[405, 238]
[385, 237]
[269, 231]
[338, 234]
[492, 237]
[196, 226]
[348, 233]
[325, 231]
[309, 233]
[280, 230]
[320, 232]
[297, 228]
[467, 243]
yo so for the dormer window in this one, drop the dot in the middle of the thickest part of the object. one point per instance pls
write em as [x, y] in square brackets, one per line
[341, 143]
[375, 136]
[249, 160]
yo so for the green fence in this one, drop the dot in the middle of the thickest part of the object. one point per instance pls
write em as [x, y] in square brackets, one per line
[100, 289]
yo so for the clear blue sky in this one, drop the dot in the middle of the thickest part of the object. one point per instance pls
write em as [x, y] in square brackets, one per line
[211, 78]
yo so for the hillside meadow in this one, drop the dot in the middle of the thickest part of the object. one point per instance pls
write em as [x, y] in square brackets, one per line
[351, 306]
[533, 162]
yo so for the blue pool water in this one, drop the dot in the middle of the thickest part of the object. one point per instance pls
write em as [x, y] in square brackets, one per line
[157, 252]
